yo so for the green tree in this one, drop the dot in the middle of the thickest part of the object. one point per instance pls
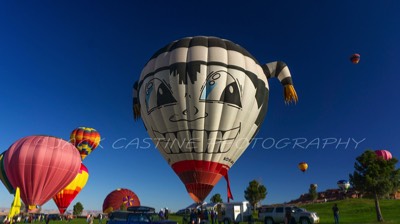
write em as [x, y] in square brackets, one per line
[313, 192]
[78, 209]
[216, 198]
[376, 177]
[255, 193]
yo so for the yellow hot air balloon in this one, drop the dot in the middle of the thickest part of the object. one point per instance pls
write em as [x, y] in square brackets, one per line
[303, 166]
[64, 198]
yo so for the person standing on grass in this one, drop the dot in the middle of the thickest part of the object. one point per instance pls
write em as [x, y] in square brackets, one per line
[166, 213]
[91, 218]
[335, 210]
[47, 219]
[100, 218]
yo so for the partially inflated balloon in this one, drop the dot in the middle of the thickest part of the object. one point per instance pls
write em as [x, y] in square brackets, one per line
[303, 166]
[202, 100]
[3, 176]
[384, 154]
[120, 197]
[41, 166]
[64, 198]
[85, 139]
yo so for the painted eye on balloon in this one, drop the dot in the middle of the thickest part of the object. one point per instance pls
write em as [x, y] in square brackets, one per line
[221, 87]
[158, 94]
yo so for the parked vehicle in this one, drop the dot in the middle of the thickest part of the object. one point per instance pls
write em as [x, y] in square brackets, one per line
[234, 212]
[276, 214]
[55, 217]
[137, 215]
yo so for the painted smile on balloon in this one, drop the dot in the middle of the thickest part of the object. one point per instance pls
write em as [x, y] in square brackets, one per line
[187, 141]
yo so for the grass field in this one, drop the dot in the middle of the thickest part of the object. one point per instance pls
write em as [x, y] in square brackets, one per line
[352, 211]
[358, 211]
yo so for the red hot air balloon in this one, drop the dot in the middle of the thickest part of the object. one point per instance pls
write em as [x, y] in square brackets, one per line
[64, 198]
[355, 58]
[85, 139]
[384, 154]
[41, 166]
[119, 197]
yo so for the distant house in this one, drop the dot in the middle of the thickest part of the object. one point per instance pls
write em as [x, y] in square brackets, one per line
[328, 195]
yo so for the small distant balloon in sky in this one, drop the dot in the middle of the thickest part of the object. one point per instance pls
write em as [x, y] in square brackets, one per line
[355, 58]
[303, 166]
[343, 185]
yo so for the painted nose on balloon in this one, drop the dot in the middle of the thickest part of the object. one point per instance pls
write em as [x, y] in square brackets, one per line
[190, 111]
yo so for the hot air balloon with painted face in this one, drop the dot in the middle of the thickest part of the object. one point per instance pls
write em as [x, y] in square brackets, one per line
[41, 166]
[64, 198]
[343, 185]
[120, 197]
[85, 139]
[303, 166]
[202, 100]
[384, 154]
[355, 58]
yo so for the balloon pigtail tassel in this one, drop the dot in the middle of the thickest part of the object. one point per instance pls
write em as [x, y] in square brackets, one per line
[136, 111]
[290, 94]
[136, 103]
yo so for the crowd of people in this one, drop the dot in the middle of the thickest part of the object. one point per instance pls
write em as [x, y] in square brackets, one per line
[30, 218]
[163, 213]
[198, 216]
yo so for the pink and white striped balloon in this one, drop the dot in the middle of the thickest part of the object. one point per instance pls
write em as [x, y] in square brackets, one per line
[384, 154]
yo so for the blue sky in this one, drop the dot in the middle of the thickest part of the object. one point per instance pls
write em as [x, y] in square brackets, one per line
[65, 64]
